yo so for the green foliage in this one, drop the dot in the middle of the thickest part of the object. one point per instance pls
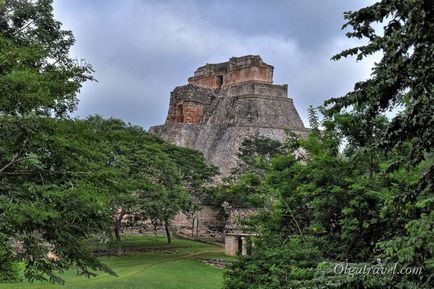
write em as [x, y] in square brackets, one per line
[195, 173]
[363, 188]
[279, 264]
[74, 177]
[37, 74]
[148, 178]
[403, 79]
[243, 189]
[255, 154]
[323, 196]
[48, 176]
[243, 193]
[345, 210]
[9, 270]
[52, 193]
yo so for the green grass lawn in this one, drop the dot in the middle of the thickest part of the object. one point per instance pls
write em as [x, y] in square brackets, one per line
[175, 266]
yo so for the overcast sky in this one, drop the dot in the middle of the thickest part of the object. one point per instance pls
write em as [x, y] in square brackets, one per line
[142, 49]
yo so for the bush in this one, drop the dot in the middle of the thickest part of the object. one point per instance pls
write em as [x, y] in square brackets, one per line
[274, 267]
[9, 270]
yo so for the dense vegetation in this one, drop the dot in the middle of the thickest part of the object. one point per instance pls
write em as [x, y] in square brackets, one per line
[63, 180]
[360, 190]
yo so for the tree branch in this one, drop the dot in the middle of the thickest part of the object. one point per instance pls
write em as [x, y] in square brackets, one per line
[14, 160]
[295, 220]
[10, 163]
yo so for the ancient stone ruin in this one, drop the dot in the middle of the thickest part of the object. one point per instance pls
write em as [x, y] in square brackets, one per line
[225, 103]
[222, 105]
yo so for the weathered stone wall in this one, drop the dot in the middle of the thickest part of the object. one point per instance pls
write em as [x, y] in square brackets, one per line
[207, 216]
[204, 223]
[262, 111]
[188, 103]
[210, 81]
[257, 74]
[231, 245]
[255, 88]
[236, 70]
[186, 112]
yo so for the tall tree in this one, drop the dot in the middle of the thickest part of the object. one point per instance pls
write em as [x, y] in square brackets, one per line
[54, 196]
[374, 198]
[49, 180]
[401, 82]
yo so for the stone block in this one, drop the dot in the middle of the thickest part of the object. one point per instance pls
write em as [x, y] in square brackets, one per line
[231, 245]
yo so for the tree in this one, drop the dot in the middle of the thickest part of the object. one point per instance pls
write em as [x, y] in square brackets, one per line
[54, 197]
[255, 154]
[149, 178]
[180, 185]
[128, 166]
[50, 197]
[317, 200]
[197, 175]
[276, 266]
[242, 189]
[401, 82]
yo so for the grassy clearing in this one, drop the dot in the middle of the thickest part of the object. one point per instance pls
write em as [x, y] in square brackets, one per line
[164, 266]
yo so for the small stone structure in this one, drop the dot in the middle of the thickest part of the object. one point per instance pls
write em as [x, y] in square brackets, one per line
[237, 70]
[237, 234]
[236, 244]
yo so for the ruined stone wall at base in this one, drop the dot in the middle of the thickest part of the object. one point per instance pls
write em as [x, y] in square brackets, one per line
[205, 223]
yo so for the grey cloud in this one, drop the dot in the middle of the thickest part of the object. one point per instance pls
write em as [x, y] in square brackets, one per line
[141, 50]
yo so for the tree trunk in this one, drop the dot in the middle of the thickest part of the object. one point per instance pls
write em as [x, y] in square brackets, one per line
[117, 229]
[166, 227]
[118, 240]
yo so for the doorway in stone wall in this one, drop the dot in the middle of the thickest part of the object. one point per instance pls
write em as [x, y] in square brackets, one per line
[179, 117]
[240, 245]
[219, 80]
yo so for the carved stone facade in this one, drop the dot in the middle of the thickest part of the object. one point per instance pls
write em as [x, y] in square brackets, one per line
[188, 103]
[236, 70]
[225, 103]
